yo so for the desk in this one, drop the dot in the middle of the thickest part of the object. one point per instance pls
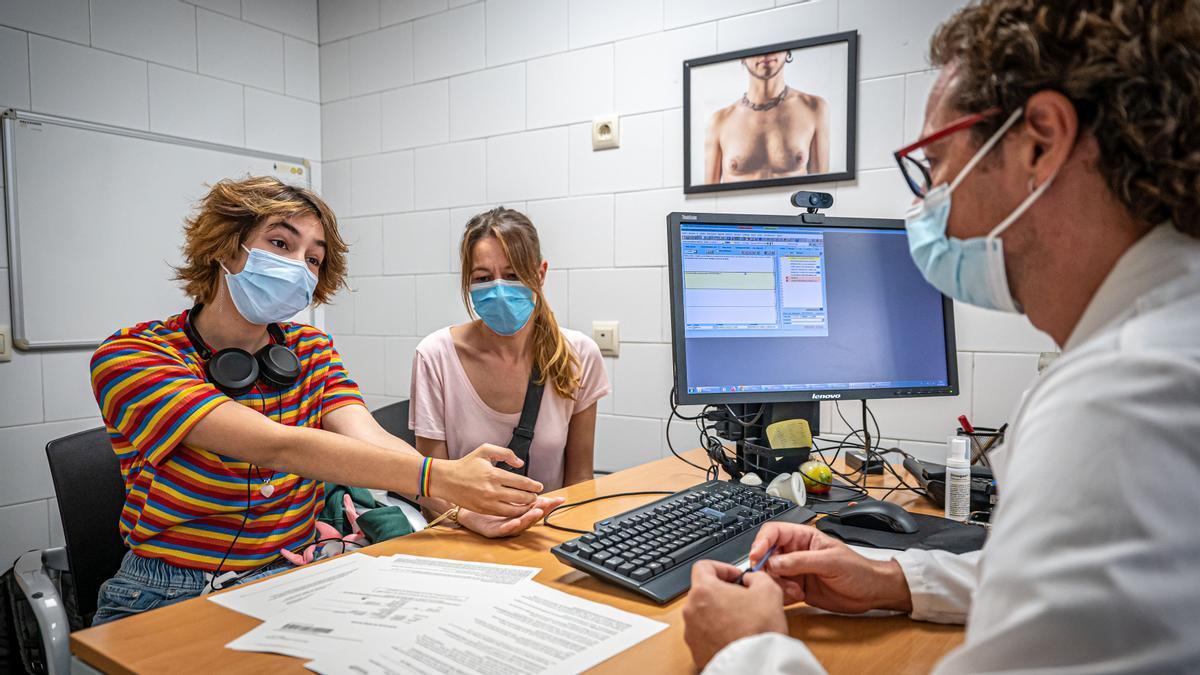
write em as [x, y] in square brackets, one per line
[190, 636]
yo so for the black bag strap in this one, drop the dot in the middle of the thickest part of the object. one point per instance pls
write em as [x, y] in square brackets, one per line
[522, 436]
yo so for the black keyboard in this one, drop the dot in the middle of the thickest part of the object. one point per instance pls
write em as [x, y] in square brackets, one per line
[651, 549]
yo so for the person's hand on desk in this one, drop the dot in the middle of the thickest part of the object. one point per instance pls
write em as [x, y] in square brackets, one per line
[476, 485]
[503, 526]
[821, 571]
[720, 611]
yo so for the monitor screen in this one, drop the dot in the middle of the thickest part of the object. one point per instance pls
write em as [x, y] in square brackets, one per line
[775, 309]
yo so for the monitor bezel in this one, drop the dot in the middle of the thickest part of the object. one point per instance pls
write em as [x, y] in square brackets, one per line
[675, 219]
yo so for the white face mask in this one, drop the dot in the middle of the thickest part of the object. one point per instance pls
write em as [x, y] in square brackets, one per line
[970, 270]
[270, 288]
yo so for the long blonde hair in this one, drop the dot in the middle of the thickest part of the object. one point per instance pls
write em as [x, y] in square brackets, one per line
[557, 362]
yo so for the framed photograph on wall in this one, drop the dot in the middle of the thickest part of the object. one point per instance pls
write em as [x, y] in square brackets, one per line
[780, 114]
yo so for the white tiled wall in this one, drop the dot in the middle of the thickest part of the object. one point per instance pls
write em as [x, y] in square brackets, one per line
[425, 112]
[242, 73]
[498, 110]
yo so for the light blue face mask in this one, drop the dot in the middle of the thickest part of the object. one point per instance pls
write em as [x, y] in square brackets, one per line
[505, 306]
[971, 270]
[270, 288]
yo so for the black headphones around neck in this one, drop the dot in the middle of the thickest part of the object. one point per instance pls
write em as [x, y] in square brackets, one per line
[235, 371]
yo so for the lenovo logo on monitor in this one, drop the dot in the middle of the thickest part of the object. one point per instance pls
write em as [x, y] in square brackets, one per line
[817, 397]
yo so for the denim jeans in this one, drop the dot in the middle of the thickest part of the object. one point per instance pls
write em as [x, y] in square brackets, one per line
[143, 584]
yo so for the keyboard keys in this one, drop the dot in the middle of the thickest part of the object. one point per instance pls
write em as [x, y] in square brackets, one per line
[639, 546]
[695, 548]
[614, 562]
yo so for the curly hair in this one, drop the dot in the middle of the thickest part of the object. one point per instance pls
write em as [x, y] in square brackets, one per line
[226, 216]
[558, 363]
[1130, 67]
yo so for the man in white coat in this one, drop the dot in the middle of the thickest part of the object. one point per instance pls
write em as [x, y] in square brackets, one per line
[1060, 177]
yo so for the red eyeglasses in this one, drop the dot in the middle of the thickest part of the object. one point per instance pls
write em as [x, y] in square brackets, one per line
[916, 169]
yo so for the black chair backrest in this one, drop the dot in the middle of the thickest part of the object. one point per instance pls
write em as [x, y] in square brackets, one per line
[91, 493]
[394, 419]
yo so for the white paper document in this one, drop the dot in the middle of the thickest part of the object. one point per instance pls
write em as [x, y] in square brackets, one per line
[535, 629]
[377, 603]
[276, 595]
[414, 614]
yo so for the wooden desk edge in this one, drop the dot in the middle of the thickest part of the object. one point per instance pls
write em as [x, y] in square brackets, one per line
[841, 643]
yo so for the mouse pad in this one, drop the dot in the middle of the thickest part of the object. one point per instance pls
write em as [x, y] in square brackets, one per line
[933, 533]
[840, 494]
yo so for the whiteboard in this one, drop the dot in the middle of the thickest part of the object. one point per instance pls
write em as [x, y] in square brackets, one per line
[95, 222]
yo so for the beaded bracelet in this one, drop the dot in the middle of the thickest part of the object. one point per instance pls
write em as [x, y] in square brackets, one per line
[451, 514]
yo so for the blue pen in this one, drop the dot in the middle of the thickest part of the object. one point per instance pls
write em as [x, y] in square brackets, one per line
[757, 567]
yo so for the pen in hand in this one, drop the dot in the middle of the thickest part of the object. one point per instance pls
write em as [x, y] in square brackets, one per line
[757, 566]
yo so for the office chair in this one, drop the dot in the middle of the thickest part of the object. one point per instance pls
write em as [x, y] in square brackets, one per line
[90, 490]
[394, 420]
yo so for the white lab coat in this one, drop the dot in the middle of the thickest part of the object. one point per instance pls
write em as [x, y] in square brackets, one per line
[1093, 562]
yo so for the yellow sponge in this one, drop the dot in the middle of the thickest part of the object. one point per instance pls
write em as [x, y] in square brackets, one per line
[790, 434]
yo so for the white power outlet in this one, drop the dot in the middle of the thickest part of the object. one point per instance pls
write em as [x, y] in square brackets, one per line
[607, 335]
[606, 132]
[5, 344]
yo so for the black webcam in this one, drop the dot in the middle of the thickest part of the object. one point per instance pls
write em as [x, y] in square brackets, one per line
[812, 200]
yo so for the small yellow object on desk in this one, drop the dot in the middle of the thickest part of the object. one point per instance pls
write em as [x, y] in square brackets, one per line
[789, 434]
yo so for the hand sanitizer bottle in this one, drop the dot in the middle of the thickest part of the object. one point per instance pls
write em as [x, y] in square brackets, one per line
[958, 479]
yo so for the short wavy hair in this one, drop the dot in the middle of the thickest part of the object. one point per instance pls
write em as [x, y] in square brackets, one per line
[224, 219]
[1130, 67]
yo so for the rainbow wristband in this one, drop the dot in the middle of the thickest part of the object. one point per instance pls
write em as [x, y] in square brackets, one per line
[423, 484]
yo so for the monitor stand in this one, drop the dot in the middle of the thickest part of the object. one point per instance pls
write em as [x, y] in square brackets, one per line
[754, 420]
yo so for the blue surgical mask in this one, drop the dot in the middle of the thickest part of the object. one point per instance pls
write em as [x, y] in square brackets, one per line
[971, 270]
[270, 288]
[505, 306]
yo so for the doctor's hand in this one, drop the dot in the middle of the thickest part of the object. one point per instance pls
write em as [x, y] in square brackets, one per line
[720, 611]
[503, 526]
[475, 484]
[817, 569]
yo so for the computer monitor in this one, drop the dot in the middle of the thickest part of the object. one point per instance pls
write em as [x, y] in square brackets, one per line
[805, 308]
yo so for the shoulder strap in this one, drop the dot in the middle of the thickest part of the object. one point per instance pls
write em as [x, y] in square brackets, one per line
[522, 436]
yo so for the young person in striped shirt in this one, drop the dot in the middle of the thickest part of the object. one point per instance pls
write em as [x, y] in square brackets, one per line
[224, 466]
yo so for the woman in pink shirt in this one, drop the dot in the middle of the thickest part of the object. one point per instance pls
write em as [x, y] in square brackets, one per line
[469, 381]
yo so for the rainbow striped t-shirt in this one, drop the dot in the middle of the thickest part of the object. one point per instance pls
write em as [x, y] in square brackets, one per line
[185, 505]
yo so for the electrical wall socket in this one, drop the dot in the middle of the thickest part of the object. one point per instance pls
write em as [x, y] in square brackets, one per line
[606, 132]
[5, 344]
[607, 335]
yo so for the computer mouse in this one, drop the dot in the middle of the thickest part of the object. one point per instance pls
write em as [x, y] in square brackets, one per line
[877, 515]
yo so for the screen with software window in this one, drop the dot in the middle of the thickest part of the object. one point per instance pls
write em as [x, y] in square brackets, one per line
[790, 309]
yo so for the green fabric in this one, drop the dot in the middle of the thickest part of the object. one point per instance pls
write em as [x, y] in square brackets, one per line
[377, 521]
[334, 512]
[386, 522]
